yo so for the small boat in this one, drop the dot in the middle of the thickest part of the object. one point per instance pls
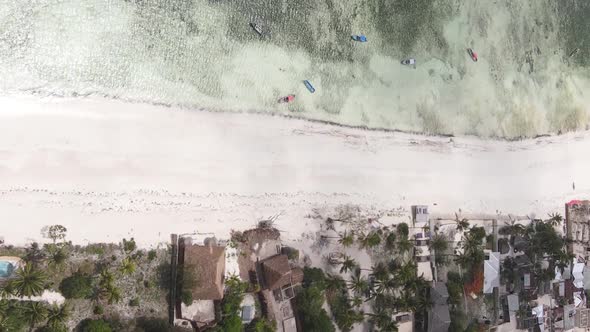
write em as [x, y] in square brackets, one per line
[309, 86]
[359, 38]
[286, 99]
[472, 54]
[409, 62]
[256, 28]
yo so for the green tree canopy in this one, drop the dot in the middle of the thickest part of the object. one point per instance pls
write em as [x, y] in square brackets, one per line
[261, 325]
[309, 308]
[94, 325]
[77, 286]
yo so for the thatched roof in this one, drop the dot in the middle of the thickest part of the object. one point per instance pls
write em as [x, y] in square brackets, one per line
[278, 272]
[208, 263]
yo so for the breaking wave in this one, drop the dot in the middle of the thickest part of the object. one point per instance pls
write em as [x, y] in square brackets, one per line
[532, 77]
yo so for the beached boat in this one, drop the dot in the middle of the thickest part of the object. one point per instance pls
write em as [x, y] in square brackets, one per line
[257, 28]
[359, 38]
[472, 54]
[309, 86]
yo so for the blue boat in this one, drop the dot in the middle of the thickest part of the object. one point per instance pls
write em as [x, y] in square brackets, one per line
[309, 86]
[359, 38]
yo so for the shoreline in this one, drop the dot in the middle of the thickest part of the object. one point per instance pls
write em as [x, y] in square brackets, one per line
[107, 169]
[291, 115]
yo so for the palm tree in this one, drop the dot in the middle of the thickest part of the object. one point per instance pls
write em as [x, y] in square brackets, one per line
[555, 219]
[380, 271]
[348, 264]
[106, 279]
[28, 281]
[462, 225]
[439, 243]
[112, 294]
[404, 245]
[6, 291]
[8, 323]
[356, 301]
[383, 320]
[334, 283]
[403, 230]
[370, 240]
[406, 273]
[34, 255]
[563, 260]
[57, 256]
[390, 240]
[358, 283]
[127, 266]
[4, 305]
[346, 239]
[57, 315]
[34, 313]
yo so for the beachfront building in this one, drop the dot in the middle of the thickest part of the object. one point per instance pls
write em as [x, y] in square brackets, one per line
[279, 277]
[420, 216]
[422, 255]
[491, 271]
[208, 264]
[577, 228]
[204, 263]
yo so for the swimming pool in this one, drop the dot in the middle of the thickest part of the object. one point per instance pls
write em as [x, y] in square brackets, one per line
[6, 269]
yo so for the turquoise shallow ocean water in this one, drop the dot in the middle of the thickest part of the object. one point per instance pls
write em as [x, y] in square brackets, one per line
[203, 54]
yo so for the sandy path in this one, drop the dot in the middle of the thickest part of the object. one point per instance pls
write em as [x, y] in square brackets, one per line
[107, 169]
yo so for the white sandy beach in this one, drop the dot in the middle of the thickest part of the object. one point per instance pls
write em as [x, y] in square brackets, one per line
[107, 169]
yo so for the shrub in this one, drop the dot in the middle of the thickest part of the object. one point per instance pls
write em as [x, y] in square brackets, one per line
[94, 325]
[137, 256]
[152, 254]
[292, 253]
[77, 286]
[186, 297]
[53, 328]
[261, 325]
[95, 249]
[129, 246]
[98, 310]
[312, 276]
[134, 302]
[86, 267]
[153, 324]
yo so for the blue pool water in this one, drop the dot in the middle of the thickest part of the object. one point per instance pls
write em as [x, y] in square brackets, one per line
[6, 269]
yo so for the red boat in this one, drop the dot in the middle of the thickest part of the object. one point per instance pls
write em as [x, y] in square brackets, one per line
[472, 54]
[286, 99]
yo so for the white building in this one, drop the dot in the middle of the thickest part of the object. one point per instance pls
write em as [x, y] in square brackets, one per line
[491, 272]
